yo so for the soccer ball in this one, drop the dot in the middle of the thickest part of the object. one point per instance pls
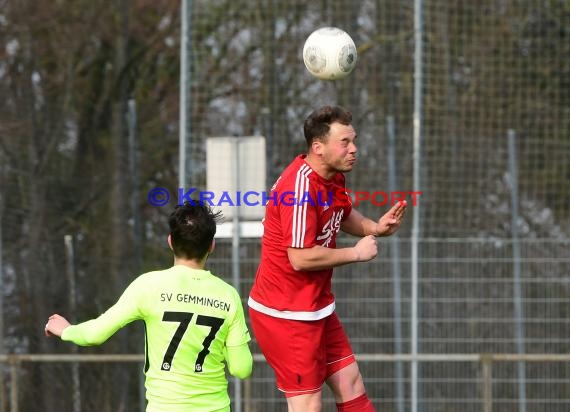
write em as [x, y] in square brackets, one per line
[329, 53]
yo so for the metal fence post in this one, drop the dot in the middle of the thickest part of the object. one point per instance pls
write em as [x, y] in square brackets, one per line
[487, 363]
[14, 385]
[236, 274]
[417, 132]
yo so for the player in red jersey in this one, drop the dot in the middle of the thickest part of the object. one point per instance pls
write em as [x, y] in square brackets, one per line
[291, 305]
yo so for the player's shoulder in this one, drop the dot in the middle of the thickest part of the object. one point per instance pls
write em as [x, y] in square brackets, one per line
[154, 274]
[153, 277]
[297, 169]
[222, 285]
[297, 165]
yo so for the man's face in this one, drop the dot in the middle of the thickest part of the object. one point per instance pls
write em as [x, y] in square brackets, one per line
[338, 150]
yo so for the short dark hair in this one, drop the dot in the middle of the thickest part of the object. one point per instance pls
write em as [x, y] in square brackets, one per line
[192, 229]
[317, 125]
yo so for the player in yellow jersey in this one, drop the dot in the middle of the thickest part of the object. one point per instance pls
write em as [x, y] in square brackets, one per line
[194, 322]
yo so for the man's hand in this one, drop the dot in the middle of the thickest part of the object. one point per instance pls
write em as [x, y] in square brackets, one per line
[391, 221]
[55, 325]
[366, 249]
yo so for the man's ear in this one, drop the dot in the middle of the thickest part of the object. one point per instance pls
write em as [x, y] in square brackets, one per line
[317, 146]
[169, 240]
[212, 246]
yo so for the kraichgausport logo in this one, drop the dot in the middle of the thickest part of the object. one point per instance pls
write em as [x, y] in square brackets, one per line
[161, 197]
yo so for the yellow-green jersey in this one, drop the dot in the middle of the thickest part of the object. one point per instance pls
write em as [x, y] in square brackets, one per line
[191, 318]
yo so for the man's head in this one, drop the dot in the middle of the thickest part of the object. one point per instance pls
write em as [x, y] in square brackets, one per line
[317, 125]
[192, 230]
[331, 140]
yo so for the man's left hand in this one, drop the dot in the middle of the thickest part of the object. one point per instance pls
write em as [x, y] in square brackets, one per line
[391, 221]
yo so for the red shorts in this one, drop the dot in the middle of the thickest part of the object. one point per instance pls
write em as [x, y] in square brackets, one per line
[303, 354]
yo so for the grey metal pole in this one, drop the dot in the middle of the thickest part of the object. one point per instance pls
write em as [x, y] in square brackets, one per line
[396, 276]
[134, 175]
[2, 349]
[184, 133]
[70, 270]
[235, 253]
[487, 364]
[517, 288]
[417, 130]
[15, 386]
[137, 236]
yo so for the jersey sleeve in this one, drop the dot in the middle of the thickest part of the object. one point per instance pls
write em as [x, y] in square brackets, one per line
[97, 331]
[298, 213]
[238, 334]
[239, 360]
[237, 353]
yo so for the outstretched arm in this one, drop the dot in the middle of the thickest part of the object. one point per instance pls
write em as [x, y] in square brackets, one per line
[358, 225]
[90, 333]
[96, 331]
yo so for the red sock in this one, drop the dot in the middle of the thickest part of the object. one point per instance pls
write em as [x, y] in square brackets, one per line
[360, 404]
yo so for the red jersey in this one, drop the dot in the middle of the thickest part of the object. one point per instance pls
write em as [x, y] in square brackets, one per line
[302, 210]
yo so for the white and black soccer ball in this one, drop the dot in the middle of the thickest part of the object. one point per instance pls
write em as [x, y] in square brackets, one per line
[329, 53]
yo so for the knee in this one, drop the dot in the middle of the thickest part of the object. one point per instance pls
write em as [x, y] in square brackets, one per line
[305, 403]
[347, 383]
[353, 384]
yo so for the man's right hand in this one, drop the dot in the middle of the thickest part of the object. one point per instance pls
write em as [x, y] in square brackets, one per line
[55, 325]
[366, 249]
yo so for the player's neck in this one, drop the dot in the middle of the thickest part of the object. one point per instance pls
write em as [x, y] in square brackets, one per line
[193, 264]
[319, 167]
